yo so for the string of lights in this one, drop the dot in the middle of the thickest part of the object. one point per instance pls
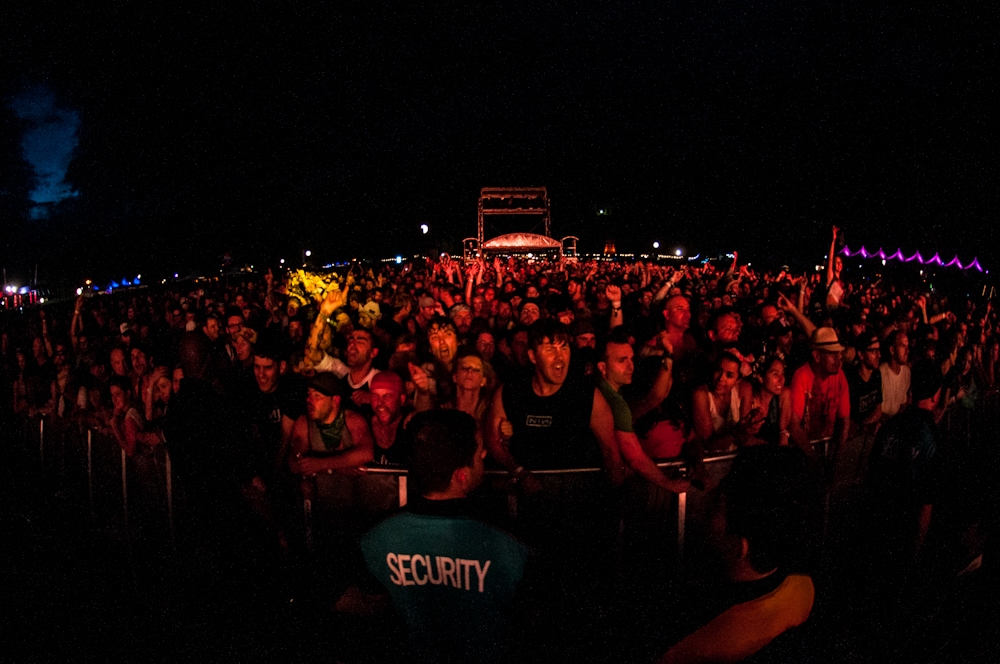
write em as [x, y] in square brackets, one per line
[933, 260]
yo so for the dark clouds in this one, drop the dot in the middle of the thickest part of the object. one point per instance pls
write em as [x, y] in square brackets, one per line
[48, 144]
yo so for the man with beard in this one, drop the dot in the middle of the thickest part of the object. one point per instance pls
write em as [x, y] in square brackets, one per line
[356, 371]
[821, 404]
[327, 437]
[388, 394]
[329, 446]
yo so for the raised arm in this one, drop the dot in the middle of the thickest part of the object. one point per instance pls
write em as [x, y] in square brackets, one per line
[830, 257]
[470, 285]
[334, 299]
[786, 305]
[76, 326]
[45, 333]
[662, 383]
[614, 294]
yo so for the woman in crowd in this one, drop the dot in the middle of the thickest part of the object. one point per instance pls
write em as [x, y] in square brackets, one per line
[716, 407]
[765, 404]
[474, 384]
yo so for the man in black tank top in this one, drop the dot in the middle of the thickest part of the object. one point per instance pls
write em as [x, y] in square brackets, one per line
[550, 422]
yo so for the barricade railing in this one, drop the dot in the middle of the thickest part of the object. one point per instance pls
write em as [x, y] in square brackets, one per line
[94, 468]
[96, 450]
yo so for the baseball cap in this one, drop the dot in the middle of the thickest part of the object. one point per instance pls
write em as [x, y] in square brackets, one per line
[866, 341]
[326, 384]
[373, 310]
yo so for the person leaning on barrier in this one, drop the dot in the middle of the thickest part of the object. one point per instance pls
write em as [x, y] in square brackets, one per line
[821, 405]
[388, 400]
[549, 422]
[758, 527]
[865, 382]
[451, 577]
[616, 366]
[328, 438]
[905, 473]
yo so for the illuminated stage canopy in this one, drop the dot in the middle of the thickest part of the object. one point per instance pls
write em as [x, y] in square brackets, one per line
[519, 243]
[529, 202]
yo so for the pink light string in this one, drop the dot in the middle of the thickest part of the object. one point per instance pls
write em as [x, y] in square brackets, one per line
[933, 260]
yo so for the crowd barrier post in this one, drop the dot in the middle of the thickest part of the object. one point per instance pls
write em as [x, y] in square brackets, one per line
[62, 453]
[681, 524]
[402, 490]
[128, 534]
[170, 497]
[307, 516]
[90, 472]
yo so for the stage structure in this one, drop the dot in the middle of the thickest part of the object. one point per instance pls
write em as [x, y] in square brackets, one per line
[531, 202]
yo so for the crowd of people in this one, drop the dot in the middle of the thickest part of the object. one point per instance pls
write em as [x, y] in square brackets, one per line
[264, 399]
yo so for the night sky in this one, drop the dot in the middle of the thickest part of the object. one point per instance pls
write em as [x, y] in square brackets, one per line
[142, 138]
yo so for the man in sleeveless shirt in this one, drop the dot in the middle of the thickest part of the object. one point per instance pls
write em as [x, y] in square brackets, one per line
[329, 445]
[551, 422]
[328, 438]
[548, 422]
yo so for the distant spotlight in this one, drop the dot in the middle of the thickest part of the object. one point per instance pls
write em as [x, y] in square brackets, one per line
[656, 245]
[530, 256]
[24, 290]
[137, 276]
[883, 261]
[308, 253]
[79, 291]
[87, 282]
[41, 300]
[282, 261]
[600, 212]
[175, 275]
[424, 229]
[677, 253]
[399, 259]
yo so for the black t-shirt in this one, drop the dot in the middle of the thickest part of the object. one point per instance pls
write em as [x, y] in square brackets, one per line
[865, 397]
[552, 432]
[398, 455]
[266, 413]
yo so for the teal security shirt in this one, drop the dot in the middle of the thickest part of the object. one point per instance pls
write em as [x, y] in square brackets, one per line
[449, 576]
